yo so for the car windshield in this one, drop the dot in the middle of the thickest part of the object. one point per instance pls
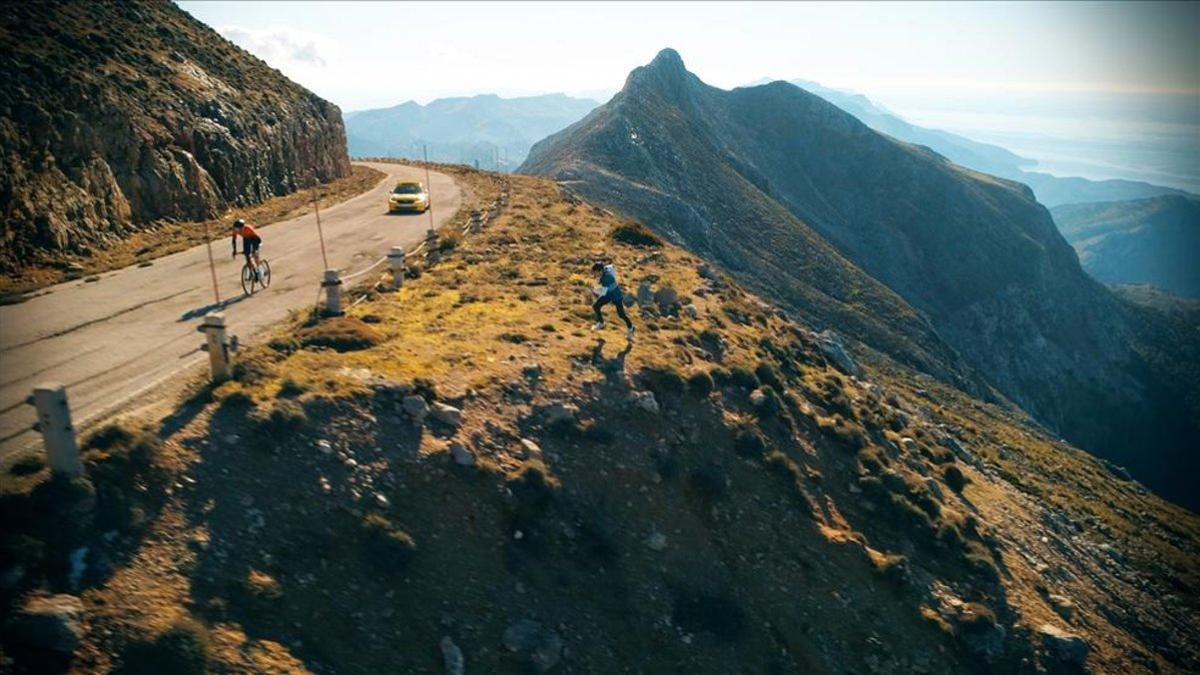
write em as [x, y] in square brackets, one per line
[407, 189]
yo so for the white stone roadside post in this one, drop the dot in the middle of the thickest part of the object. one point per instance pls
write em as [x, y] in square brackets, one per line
[396, 261]
[333, 292]
[217, 346]
[476, 220]
[54, 423]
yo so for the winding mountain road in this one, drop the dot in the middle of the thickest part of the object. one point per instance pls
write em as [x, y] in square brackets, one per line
[111, 340]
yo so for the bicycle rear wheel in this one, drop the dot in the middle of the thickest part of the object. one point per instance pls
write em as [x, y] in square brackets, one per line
[247, 280]
[265, 281]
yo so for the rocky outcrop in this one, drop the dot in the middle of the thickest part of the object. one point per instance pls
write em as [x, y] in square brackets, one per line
[115, 115]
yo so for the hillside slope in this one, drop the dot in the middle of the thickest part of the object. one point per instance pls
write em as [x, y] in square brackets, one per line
[977, 255]
[1147, 241]
[466, 130]
[114, 115]
[463, 467]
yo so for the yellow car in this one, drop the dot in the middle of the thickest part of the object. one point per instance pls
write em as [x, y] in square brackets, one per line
[408, 196]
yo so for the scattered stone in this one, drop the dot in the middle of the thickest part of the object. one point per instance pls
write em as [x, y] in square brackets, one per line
[645, 400]
[381, 500]
[657, 541]
[560, 413]
[539, 644]
[758, 398]
[645, 294]
[416, 407]
[325, 446]
[1064, 647]
[665, 298]
[452, 657]
[831, 346]
[447, 414]
[49, 622]
[530, 448]
[691, 311]
[461, 454]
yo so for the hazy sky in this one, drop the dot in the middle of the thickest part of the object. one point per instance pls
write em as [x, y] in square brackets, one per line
[372, 54]
[1099, 90]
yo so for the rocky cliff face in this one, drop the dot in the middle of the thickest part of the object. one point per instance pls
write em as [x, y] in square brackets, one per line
[975, 256]
[116, 115]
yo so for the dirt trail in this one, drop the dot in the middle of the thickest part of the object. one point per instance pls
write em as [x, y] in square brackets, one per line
[112, 339]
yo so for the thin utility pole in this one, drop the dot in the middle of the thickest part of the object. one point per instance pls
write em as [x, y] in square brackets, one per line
[212, 265]
[428, 186]
[320, 232]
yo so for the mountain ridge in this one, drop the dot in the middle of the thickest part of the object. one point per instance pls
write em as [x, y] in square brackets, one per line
[975, 254]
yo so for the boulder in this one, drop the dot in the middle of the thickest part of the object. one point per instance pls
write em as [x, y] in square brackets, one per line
[1062, 646]
[446, 414]
[645, 400]
[530, 448]
[51, 623]
[832, 348]
[560, 413]
[541, 646]
[461, 454]
[416, 407]
[665, 298]
[645, 294]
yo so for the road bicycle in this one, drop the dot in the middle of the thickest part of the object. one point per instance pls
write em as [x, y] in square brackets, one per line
[250, 280]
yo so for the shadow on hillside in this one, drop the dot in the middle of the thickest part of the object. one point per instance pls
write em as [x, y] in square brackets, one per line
[283, 503]
[613, 368]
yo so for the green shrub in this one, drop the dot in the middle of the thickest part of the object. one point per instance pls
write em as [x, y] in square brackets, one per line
[771, 404]
[743, 378]
[871, 460]
[749, 443]
[635, 234]
[182, 649]
[663, 381]
[284, 345]
[388, 545]
[340, 333]
[533, 489]
[290, 388]
[700, 384]
[954, 478]
[842, 433]
[284, 418]
[767, 374]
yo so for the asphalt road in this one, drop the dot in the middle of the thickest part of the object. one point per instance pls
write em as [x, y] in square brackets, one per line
[115, 339]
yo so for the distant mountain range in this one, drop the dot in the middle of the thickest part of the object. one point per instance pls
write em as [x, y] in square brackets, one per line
[486, 130]
[1152, 241]
[987, 158]
[931, 262]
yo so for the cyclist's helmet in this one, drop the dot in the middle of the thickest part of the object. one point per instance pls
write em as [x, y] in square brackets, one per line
[238, 224]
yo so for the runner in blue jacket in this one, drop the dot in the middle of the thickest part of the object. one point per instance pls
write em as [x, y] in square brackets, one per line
[609, 291]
